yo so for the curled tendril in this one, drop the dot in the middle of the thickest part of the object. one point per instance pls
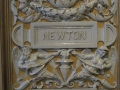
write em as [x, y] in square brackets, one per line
[14, 86]
[95, 84]
[70, 85]
[58, 85]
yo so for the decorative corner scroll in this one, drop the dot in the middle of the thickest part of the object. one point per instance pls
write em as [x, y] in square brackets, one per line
[107, 34]
[18, 35]
[64, 35]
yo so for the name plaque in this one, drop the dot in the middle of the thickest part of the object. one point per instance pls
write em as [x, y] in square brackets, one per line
[64, 35]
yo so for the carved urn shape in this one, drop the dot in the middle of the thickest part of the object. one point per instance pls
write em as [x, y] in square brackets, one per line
[63, 3]
[65, 63]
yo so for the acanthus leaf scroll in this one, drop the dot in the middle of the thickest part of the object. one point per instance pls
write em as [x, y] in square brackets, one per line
[35, 10]
[35, 64]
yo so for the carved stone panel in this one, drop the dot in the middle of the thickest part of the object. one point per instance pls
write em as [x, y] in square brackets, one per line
[64, 35]
[63, 50]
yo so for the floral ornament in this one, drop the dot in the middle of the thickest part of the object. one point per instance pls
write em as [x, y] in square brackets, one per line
[35, 64]
[63, 11]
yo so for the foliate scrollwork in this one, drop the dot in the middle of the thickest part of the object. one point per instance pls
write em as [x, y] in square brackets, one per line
[36, 9]
[93, 64]
[35, 64]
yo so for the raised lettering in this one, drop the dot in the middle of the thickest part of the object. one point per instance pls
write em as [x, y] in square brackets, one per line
[52, 35]
[69, 34]
[82, 35]
[76, 35]
[45, 34]
[60, 35]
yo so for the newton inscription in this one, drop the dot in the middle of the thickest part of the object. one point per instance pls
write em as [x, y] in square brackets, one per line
[64, 35]
[61, 35]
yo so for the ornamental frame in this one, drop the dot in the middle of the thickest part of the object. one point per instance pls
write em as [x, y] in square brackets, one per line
[5, 46]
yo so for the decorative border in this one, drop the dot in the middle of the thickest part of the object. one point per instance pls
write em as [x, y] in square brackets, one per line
[6, 45]
[1, 49]
[51, 14]
[5, 49]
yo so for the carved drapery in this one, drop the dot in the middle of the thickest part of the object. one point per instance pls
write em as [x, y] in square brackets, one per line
[92, 64]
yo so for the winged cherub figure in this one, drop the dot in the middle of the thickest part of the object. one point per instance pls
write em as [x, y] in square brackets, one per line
[93, 64]
[33, 64]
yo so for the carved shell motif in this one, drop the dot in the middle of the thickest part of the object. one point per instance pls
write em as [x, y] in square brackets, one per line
[63, 3]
